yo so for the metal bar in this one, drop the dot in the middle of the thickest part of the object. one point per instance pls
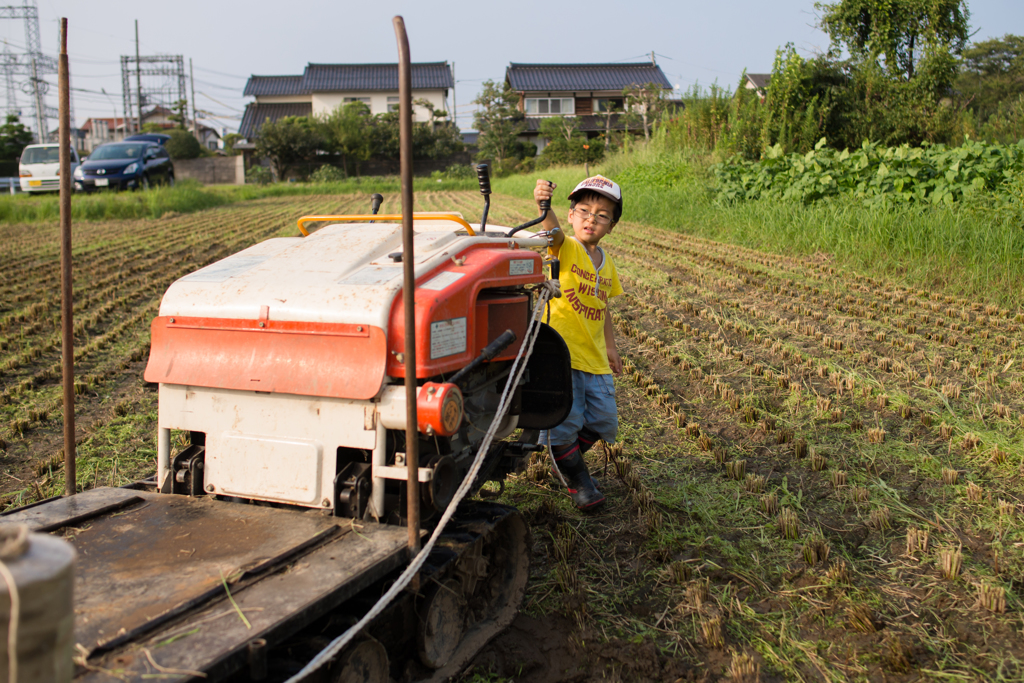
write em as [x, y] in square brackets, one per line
[378, 459]
[67, 322]
[164, 480]
[378, 218]
[412, 456]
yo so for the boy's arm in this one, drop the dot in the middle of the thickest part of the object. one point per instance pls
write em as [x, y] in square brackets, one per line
[544, 190]
[609, 341]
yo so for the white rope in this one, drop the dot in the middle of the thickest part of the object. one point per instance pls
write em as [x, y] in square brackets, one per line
[549, 289]
[551, 453]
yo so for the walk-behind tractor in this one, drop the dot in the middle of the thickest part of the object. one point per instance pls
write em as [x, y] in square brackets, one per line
[280, 512]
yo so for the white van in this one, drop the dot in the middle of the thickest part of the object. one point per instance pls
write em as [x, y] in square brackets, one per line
[39, 168]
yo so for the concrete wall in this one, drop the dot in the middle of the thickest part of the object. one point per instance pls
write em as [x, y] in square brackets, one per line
[212, 170]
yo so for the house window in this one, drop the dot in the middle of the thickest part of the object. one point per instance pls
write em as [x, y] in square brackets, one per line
[392, 103]
[364, 100]
[602, 104]
[541, 106]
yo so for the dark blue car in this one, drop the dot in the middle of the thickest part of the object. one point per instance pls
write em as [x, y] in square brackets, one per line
[125, 166]
[158, 138]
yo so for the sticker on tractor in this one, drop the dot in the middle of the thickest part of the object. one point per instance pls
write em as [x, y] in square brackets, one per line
[372, 275]
[441, 281]
[520, 266]
[447, 337]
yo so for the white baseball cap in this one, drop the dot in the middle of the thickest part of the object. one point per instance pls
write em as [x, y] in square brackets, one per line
[602, 186]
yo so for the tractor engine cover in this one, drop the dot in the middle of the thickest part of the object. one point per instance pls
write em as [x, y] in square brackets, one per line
[290, 354]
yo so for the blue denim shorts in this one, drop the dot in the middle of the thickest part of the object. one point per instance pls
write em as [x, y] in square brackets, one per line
[593, 406]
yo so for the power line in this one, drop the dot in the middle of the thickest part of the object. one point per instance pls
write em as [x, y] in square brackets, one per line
[696, 66]
[220, 103]
[643, 56]
[215, 85]
[221, 73]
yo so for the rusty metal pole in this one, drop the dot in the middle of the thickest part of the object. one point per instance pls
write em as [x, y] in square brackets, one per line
[412, 456]
[67, 323]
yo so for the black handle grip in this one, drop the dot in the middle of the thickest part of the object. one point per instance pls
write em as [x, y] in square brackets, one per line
[503, 341]
[490, 351]
[375, 201]
[554, 268]
[483, 176]
[544, 204]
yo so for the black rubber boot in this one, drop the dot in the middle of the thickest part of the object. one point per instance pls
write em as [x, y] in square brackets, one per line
[582, 489]
[587, 438]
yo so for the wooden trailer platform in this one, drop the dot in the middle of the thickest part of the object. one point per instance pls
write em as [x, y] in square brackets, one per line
[154, 572]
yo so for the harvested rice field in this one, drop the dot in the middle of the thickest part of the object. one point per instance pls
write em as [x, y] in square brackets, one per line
[818, 476]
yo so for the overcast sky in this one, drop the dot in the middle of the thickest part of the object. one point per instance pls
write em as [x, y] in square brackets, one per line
[694, 42]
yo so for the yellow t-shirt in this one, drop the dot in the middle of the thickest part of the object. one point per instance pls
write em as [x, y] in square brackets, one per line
[579, 313]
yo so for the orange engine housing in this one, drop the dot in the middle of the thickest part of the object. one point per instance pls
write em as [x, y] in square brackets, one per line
[460, 308]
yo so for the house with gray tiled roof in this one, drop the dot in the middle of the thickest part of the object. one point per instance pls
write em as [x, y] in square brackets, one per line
[583, 90]
[323, 87]
[758, 83]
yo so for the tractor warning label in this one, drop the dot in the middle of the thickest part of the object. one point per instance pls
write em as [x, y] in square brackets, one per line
[520, 266]
[447, 337]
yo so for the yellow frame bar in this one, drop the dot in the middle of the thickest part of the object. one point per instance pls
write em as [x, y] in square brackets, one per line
[384, 217]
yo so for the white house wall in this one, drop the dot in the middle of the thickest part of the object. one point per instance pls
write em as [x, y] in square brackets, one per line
[325, 103]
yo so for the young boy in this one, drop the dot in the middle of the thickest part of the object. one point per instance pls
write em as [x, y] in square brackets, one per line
[588, 279]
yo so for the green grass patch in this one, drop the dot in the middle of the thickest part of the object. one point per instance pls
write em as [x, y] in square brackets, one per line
[188, 196]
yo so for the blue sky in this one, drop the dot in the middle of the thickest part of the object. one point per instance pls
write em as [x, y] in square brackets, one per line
[694, 42]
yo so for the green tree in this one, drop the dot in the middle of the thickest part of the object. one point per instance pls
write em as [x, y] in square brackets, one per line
[567, 145]
[289, 142]
[152, 127]
[183, 145]
[347, 129]
[560, 127]
[992, 75]
[1006, 126]
[798, 102]
[179, 113]
[644, 106]
[229, 143]
[435, 140]
[499, 121]
[14, 137]
[901, 35]
[438, 142]
[611, 112]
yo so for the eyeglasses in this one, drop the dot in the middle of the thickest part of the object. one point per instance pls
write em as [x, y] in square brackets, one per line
[599, 218]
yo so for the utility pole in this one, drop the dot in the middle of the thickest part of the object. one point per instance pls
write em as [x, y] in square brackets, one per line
[138, 73]
[192, 83]
[31, 63]
[40, 112]
[653, 63]
[455, 106]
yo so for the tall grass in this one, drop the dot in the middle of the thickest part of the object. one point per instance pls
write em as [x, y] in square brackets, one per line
[184, 197]
[970, 249]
